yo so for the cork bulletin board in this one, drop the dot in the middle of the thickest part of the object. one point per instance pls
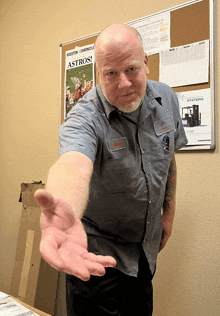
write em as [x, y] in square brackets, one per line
[190, 23]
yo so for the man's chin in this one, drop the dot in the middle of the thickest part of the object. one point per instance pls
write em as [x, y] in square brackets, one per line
[128, 108]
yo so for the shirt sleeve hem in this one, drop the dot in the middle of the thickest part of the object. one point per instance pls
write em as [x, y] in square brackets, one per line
[78, 149]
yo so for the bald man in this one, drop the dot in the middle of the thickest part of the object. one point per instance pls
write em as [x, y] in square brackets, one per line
[109, 202]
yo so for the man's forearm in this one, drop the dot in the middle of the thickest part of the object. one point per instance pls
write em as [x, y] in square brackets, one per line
[69, 180]
[170, 194]
[169, 204]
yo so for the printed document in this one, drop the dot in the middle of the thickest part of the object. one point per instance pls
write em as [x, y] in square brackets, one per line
[185, 65]
[195, 111]
[8, 306]
[155, 32]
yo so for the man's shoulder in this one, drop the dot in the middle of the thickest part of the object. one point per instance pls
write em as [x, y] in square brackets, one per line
[89, 99]
[89, 104]
[160, 87]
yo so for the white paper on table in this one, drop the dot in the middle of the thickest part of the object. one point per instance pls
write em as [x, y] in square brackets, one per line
[9, 306]
[13, 308]
[3, 296]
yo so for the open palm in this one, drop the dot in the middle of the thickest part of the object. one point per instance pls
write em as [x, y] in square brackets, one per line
[64, 241]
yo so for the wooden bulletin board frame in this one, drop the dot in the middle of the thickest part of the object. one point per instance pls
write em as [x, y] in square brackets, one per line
[189, 23]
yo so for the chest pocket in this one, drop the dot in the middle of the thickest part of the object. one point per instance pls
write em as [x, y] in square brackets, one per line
[119, 166]
[117, 175]
[165, 129]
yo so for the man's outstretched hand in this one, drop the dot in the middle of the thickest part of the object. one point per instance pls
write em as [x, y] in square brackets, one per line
[64, 241]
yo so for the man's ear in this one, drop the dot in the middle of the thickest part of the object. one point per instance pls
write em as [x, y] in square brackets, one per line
[146, 63]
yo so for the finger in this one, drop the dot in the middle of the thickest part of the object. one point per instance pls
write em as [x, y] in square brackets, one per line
[94, 268]
[45, 200]
[78, 268]
[105, 261]
[54, 260]
[58, 260]
[51, 256]
[82, 268]
[78, 271]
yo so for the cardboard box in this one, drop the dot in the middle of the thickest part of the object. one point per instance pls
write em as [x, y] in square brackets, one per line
[33, 281]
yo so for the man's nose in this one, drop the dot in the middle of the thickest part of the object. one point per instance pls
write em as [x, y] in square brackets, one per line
[124, 81]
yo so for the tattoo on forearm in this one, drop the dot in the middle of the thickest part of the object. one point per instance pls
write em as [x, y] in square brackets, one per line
[169, 199]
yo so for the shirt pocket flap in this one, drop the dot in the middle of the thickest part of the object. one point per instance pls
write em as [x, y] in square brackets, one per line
[164, 125]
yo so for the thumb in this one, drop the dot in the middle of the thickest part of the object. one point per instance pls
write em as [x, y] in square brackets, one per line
[45, 200]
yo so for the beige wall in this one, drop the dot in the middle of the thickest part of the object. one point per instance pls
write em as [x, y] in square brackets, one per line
[188, 279]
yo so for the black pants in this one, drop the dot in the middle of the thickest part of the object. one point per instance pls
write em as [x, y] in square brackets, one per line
[113, 294]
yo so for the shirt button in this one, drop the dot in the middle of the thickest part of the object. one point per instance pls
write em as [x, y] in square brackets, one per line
[142, 151]
[148, 223]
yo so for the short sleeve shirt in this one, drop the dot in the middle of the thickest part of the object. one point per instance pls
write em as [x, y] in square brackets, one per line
[131, 157]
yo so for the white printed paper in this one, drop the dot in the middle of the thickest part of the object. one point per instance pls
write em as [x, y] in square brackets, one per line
[155, 32]
[195, 111]
[185, 65]
[13, 308]
[3, 296]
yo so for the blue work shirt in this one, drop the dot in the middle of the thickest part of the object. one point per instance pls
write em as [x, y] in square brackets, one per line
[131, 155]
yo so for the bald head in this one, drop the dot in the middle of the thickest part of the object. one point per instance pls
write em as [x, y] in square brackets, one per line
[114, 37]
[122, 66]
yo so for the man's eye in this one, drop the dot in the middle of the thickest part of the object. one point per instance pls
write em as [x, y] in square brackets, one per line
[111, 73]
[131, 69]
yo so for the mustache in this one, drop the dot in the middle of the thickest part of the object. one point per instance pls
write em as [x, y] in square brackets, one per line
[126, 93]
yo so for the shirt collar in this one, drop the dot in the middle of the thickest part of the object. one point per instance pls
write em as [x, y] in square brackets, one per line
[152, 95]
[108, 107]
[150, 101]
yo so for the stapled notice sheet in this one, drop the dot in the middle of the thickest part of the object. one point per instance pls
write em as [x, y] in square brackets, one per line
[155, 32]
[185, 65]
